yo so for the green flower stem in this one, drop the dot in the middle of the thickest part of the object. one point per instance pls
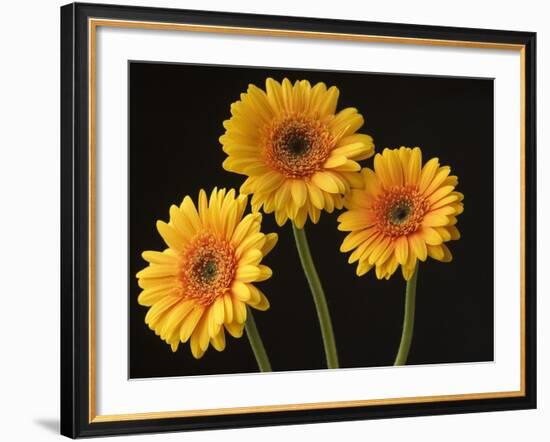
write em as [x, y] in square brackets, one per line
[318, 296]
[408, 320]
[256, 342]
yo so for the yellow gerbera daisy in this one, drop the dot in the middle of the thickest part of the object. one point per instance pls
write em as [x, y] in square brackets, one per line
[300, 156]
[404, 212]
[201, 284]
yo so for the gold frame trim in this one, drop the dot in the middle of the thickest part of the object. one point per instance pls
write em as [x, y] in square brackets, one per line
[93, 24]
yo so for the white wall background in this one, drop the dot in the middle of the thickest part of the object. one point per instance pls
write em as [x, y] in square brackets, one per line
[29, 220]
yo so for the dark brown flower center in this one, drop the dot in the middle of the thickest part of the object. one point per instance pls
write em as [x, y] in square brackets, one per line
[296, 143]
[297, 146]
[399, 211]
[207, 268]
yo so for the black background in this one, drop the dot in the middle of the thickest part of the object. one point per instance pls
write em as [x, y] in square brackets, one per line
[176, 115]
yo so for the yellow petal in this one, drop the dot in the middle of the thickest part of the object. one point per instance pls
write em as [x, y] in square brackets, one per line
[363, 267]
[219, 310]
[315, 195]
[408, 271]
[269, 182]
[240, 291]
[171, 236]
[355, 238]
[203, 332]
[334, 161]
[301, 217]
[159, 257]
[196, 351]
[454, 233]
[262, 303]
[249, 185]
[175, 317]
[440, 194]
[287, 94]
[316, 97]
[444, 232]
[402, 250]
[435, 219]
[444, 201]
[338, 177]
[436, 252]
[254, 294]
[451, 180]
[203, 208]
[382, 171]
[353, 180]
[386, 254]
[404, 154]
[346, 122]
[299, 192]
[259, 199]
[265, 273]
[428, 174]
[379, 250]
[391, 266]
[354, 220]
[393, 164]
[251, 257]
[430, 236]
[149, 283]
[228, 308]
[440, 176]
[189, 324]
[356, 199]
[365, 248]
[329, 202]
[231, 218]
[372, 184]
[281, 217]
[325, 181]
[239, 311]
[252, 241]
[182, 225]
[247, 273]
[234, 329]
[256, 169]
[357, 147]
[158, 271]
[260, 102]
[212, 324]
[218, 341]
[149, 296]
[413, 169]
[239, 164]
[328, 105]
[270, 242]
[418, 246]
[380, 273]
[174, 345]
[447, 255]
[283, 195]
[349, 168]
[458, 208]
[274, 94]
[244, 227]
[156, 311]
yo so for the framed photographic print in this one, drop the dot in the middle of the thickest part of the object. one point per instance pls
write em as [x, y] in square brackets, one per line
[279, 220]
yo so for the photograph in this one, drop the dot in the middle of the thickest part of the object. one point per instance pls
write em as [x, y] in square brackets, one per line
[286, 219]
[276, 220]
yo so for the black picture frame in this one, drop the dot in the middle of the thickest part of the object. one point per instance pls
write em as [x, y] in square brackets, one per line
[76, 418]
